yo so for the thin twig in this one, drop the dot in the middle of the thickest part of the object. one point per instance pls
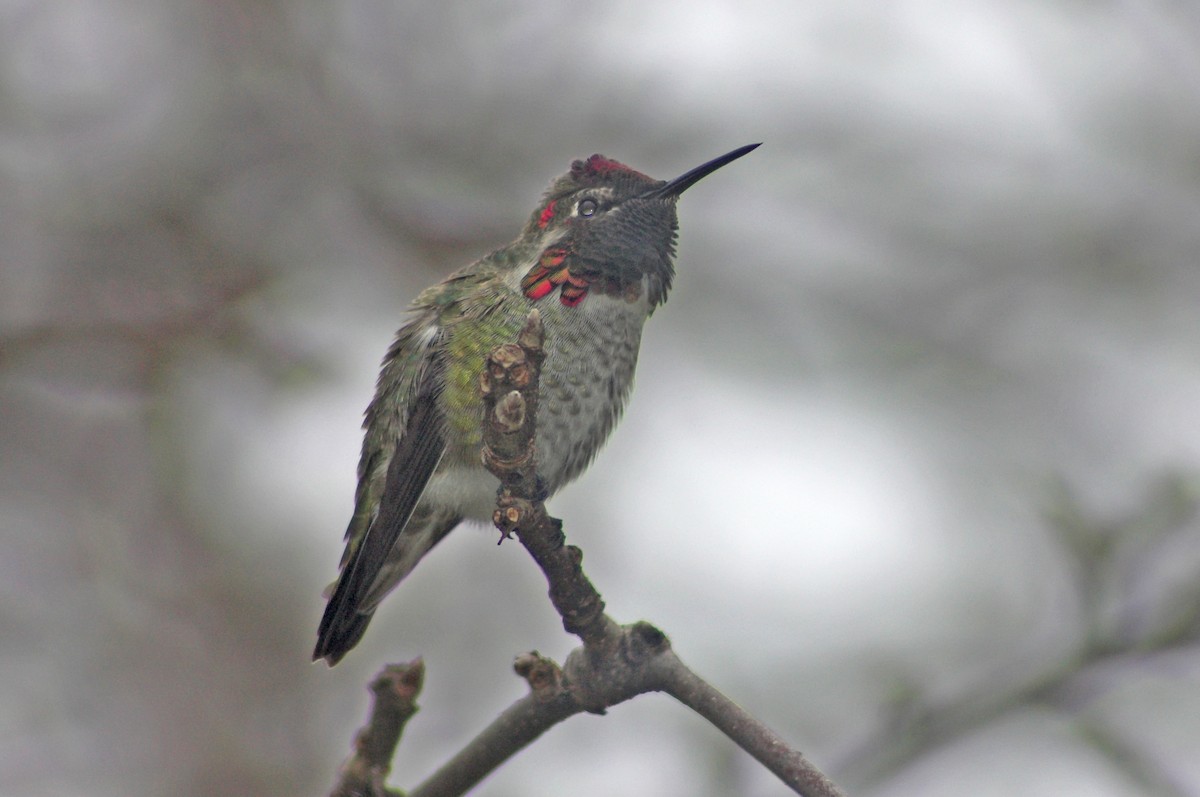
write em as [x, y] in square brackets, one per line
[767, 747]
[517, 726]
[395, 690]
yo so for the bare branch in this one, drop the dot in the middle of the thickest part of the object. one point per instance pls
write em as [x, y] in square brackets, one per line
[516, 727]
[395, 690]
[767, 747]
[615, 662]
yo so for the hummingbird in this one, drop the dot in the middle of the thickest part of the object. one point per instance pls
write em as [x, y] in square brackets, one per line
[595, 258]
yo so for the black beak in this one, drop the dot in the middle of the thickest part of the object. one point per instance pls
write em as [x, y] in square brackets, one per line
[685, 181]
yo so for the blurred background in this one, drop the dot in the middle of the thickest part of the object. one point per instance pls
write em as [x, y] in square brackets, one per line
[911, 469]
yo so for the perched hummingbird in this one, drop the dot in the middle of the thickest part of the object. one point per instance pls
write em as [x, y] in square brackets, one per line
[595, 258]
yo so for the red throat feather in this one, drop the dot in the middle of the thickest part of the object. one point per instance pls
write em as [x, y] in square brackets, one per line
[547, 213]
[550, 273]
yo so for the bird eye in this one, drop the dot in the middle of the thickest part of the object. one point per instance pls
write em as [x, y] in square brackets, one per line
[587, 207]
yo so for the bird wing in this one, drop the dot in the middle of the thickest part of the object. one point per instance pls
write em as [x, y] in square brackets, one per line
[418, 448]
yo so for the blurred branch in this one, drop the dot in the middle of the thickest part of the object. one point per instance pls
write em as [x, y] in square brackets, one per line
[917, 729]
[1142, 768]
[1100, 553]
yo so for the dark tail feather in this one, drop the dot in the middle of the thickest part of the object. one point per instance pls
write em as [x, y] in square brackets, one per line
[336, 641]
[416, 456]
[341, 628]
[342, 625]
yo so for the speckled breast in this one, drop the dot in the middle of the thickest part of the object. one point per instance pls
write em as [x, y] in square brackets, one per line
[591, 353]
